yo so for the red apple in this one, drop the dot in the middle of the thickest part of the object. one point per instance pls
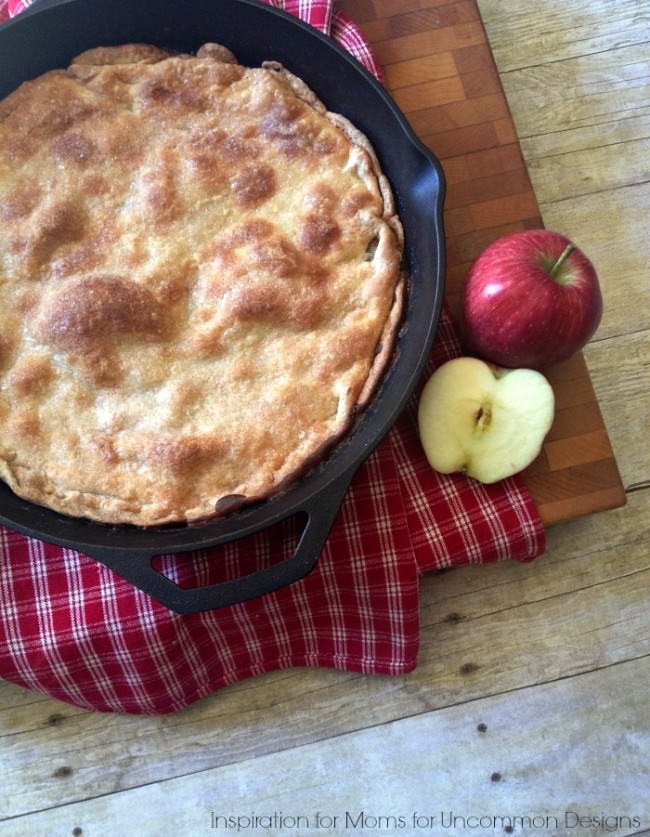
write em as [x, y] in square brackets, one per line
[531, 299]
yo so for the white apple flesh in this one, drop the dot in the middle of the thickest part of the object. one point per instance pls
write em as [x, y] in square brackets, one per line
[486, 422]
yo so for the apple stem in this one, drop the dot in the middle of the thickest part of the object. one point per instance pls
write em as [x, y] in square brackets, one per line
[564, 255]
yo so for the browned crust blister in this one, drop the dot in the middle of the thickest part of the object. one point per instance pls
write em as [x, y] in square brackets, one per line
[200, 283]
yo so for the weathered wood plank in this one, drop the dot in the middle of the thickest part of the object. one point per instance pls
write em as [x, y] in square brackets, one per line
[596, 90]
[616, 133]
[531, 33]
[527, 765]
[620, 370]
[509, 646]
[609, 227]
[591, 171]
[485, 630]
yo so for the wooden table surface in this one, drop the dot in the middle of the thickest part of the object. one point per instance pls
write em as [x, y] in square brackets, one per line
[439, 67]
[528, 712]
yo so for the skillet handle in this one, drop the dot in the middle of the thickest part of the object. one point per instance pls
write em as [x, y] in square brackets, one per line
[136, 567]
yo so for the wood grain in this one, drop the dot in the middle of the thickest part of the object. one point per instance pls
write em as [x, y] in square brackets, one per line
[438, 65]
[549, 659]
[481, 636]
[505, 780]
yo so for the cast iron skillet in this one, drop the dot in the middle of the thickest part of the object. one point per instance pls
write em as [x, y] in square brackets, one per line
[48, 35]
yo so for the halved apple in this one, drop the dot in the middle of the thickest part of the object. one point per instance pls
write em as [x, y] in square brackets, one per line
[485, 421]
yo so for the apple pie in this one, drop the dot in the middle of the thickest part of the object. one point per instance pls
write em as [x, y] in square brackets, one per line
[201, 279]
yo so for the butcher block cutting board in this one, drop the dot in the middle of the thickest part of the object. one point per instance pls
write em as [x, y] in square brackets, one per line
[438, 66]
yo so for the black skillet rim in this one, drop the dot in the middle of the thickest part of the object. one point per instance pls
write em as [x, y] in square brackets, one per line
[325, 484]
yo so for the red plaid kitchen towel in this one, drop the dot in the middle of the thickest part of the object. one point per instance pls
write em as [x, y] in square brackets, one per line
[72, 629]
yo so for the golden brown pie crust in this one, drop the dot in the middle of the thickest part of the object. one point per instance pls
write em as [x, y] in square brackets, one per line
[200, 283]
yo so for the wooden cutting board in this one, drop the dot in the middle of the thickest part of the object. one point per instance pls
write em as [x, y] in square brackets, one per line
[438, 65]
